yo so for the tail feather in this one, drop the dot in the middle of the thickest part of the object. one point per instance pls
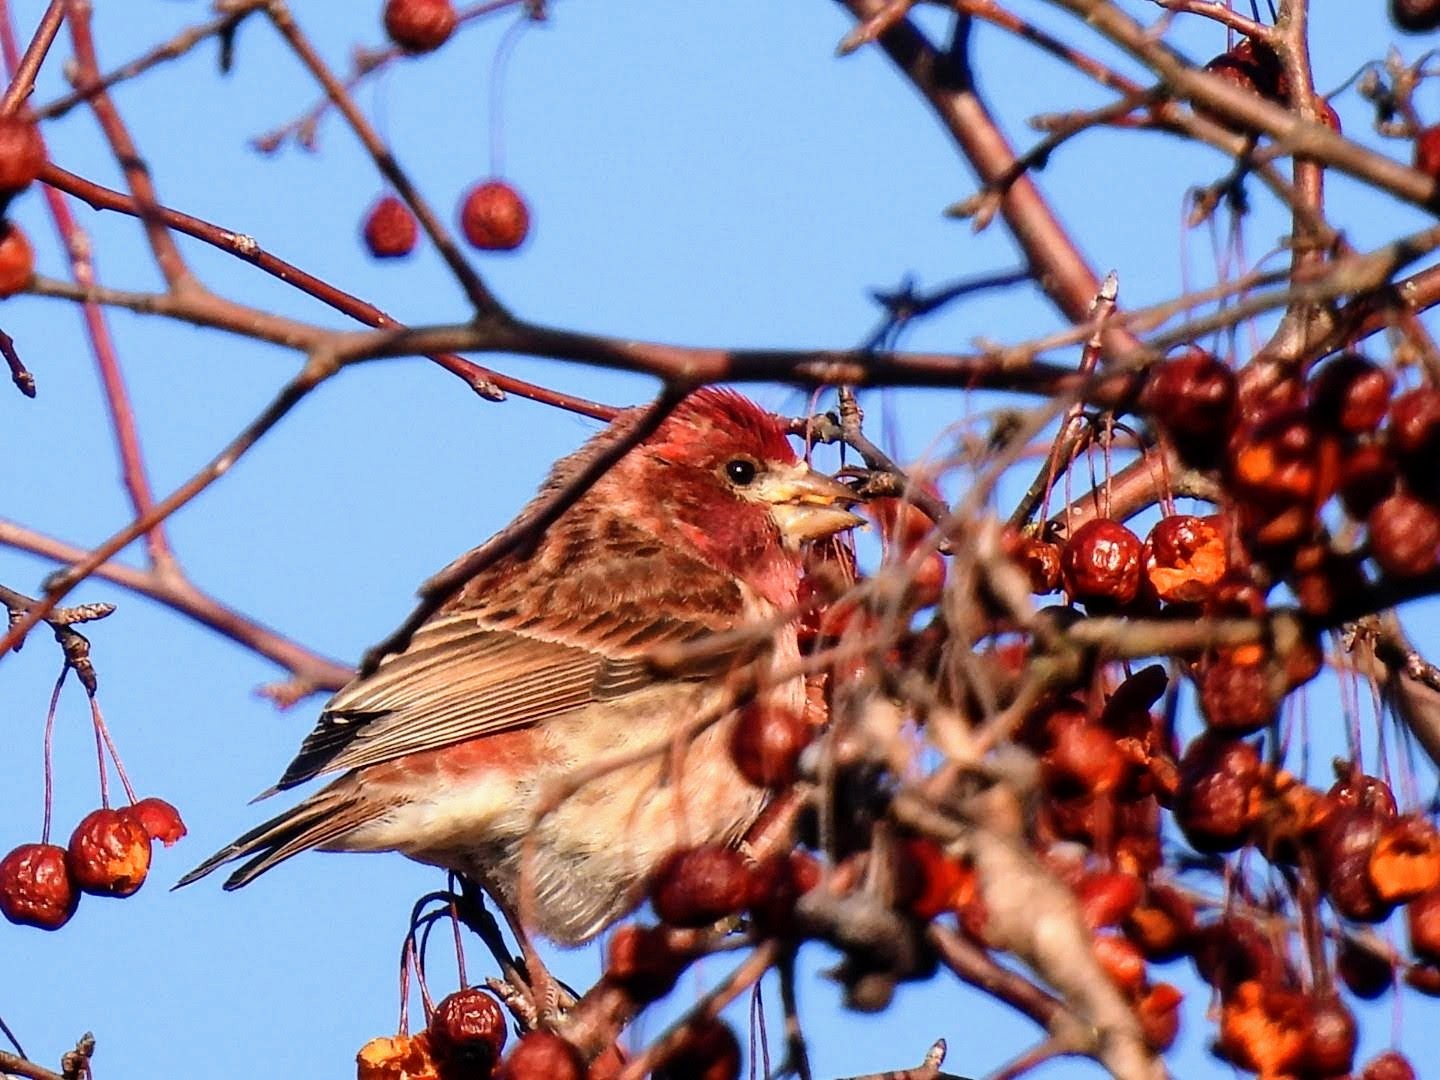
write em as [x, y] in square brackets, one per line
[319, 820]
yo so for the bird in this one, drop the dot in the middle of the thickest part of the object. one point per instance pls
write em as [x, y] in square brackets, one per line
[541, 664]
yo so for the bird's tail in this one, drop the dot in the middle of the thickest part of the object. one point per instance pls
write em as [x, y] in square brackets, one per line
[321, 819]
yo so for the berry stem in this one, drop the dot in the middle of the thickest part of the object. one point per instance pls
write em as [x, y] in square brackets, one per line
[49, 760]
[104, 733]
[503, 53]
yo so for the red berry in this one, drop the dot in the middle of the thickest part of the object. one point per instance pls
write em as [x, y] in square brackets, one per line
[419, 26]
[390, 229]
[766, 744]
[697, 887]
[1184, 558]
[17, 259]
[467, 1031]
[641, 960]
[1404, 535]
[22, 154]
[1416, 16]
[1343, 848]
[109, 853]
[1239, 699]
[1351, 394]
[1391, 1065]
[494, 217]
[36, 888]
[1427, 151]
[1040, 559]
[1422, 915]
[1101, 562]
[1192, 397]
[709, 1051]
[159, 819]
[1366, 973]
[542, 1055]
[1415, 425]
[1216, 803]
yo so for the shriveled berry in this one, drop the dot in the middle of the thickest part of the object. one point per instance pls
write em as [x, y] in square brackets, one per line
[1355, 788]
[22, 154]
[1391, 1065]
[36, 888]
[1192, 397]
[1107, 898]
[1366, 973]
[159, 819]
[1121, 961]
[1238, 699]
[1404, 535]
[1368, 475]
[17, 259]
[1427, 151]
[1351, 394]
[779, 882]
[697, 887]
[1330, 1040]
[542, 1055]
[1424, 977]
[1406, 862]
[419, 26]
[1084, 759]
[1264, 1028]
[1233, 950]
[1422, 916]
[1415, 17]
[390, 230]
[640, 960]
[1184, 558]
[1159, 1015]
[1415, 425]
[1162, 924]
[109, 853]
[1343, 846]
[1040, 559]
[398, 1057]
[709, 1051]
[1220, 779]
[1101, 563]
[494, 217]
[766, 744]
[467, 1030]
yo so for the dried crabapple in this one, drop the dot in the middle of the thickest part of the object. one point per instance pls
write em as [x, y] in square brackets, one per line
[36, 888]
[1101, 563]
[1192, 398]
[542, 1055]
[17, 259]
[1343, 845]
[467, 1030]
[22, 154]
[1427, 151]
[1351, 394]
[160, 820]
[640, 960]
[396, 1057]
[1365, 972]
[707, 1051]
[390, 230]
[766, 743]
[1422, 917]
[1040, 559]
[1184, 557]
[697, 887]
[1406, 862]
[109, 853]
[1220, 781]
[1404, 535]
[419, 26]
[494, 217]
[1415, 16]
[1391, 1065]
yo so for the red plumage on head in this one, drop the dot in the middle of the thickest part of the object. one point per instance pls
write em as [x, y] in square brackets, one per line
[721, 422]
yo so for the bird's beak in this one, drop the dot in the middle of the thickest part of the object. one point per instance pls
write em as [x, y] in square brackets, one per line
[806, 505]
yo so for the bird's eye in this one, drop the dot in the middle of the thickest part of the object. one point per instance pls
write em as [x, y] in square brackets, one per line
[740, 471]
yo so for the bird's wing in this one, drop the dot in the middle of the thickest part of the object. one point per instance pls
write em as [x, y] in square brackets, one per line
[517, 653]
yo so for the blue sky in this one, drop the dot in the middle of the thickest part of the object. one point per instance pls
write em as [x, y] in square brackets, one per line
[705, 174]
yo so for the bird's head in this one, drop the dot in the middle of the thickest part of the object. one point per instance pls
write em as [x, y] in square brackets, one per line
[723, 471]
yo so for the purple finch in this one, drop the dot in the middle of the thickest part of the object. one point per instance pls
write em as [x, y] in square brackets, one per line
[538, 667]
